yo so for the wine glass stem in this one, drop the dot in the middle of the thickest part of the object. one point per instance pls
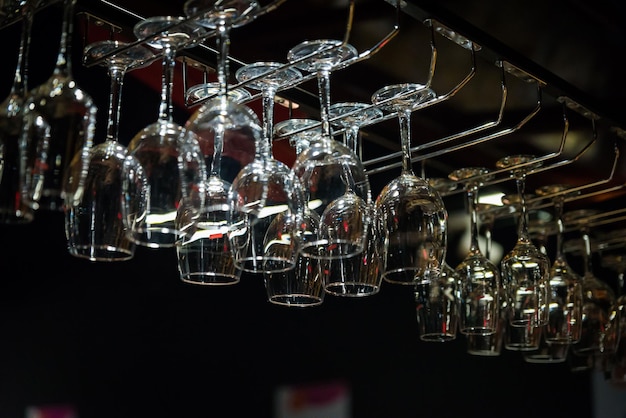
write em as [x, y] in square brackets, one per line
[558, 209]
[472, 200]
[587, 253]
[115, 95]
[218, 148]
[352, 138]
[63, 64]
[323, 84]
[20, 84]
[167, 83]
[268, 118]
[404, 118]
[223, 47]
[522, 231]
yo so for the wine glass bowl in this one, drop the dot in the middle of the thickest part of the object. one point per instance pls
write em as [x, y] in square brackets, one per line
[58, 128]
[480, 287]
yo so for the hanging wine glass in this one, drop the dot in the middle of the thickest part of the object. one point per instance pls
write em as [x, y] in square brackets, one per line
[59, 123]
[94, 223]
[617, 262]
[411, 213]
[203, 253]
[600, 317]
[267, 198]
[13, 209]
[566, 296]
[172, 162]
[332, 175]
[358, 275]
[224, 128]
[480, 289]
[301, 286]
[437, 291]
[525, 272]
[489, 345]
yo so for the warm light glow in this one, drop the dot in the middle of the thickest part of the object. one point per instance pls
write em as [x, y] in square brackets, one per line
[491, 199]
[160, 218]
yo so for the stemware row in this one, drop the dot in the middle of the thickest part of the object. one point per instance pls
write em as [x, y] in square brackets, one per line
[310, 229]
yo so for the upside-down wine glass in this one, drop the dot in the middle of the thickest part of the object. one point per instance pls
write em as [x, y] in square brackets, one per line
[172, 162]
[267, 199]
[331, 173]
[203, 253]
[617, 262]
[250, 212]
[301, 286]
[480, 288]
[600, 316]
[225, 129]
[411, 214]
[489, 345]
[13, 209]
[566, 296]
[358, 275]
[59, 124]
[525, 271]
[436, 292]
[94, 206]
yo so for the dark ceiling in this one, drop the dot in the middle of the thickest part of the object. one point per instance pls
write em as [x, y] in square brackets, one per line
[567, 47]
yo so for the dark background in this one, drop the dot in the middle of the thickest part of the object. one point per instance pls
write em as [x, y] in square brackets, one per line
[131, 340]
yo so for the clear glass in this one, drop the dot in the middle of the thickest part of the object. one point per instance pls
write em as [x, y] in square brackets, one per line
[480, 287]
[525, 273]
[94, 224]
[358, 275]
[600, 323]
[226, 131]
[411, 214]
[488, 345]
[566, 295]
[13, 209]
[203, 253]
[332, 174]
[213, 14]
[617, 262]
[301, 286]
[173, 162]
[437, 304]
[59, 124]
[268, 199]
